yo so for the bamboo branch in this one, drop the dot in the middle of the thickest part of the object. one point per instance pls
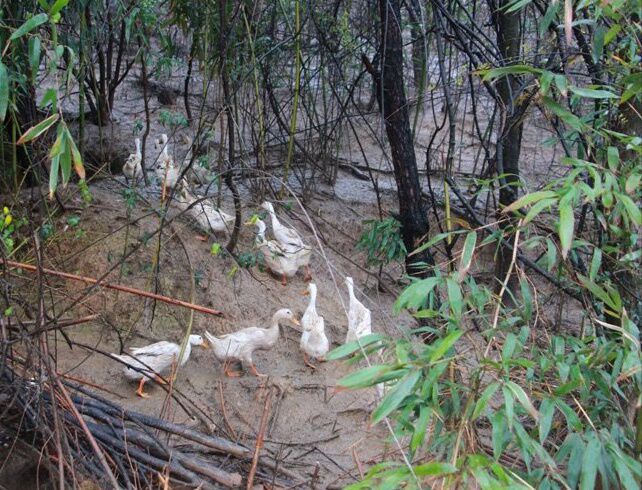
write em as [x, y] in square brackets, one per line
[117, 287]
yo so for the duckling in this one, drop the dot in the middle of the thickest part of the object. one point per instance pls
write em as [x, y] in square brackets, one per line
[290, 240]
[132, 169]
[314, 342]
[145, 363]
[278, 260]
[240, 345]
[359, 323]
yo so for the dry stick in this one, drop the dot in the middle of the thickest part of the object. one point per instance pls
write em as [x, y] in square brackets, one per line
[259, 440]
[126, 289]
[224, 412]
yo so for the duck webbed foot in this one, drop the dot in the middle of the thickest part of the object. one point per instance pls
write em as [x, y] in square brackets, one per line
[140, 391]
[307, 362]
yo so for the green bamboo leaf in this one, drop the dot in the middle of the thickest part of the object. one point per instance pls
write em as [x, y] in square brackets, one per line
[547, 410]
[509, 70]
[364, 377]
[564, 114]
[625, 476]
[65, 162]
[29, 26]
[483, 400]
[4, 91]
[58, 6]
[414, 296]
[613, 158]
[575, 461]
[35, 131]
[590, 462]
[531, 198]
[516, 5]
[34, 56]
[523, 399]
[419, 430]
[467, 255]
[537, 208]
[632, 183]
[396, 395]
[79, 167]
[53, 175]
[434, 469]
[593, 93]
[509, 405]
[566, 226]
[632, 209]
[455, 297]
[443, 346]
[352, 347]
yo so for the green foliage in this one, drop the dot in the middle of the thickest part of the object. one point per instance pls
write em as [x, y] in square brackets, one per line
[382, 242]
[173, 119]
[566, 405]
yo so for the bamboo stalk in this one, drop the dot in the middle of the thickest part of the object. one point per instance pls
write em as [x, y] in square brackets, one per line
[117, 287]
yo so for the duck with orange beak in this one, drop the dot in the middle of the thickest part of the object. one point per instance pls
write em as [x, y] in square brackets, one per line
[314, 342]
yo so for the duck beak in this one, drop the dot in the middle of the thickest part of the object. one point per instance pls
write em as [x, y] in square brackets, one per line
[206, 345]
[305, 293]
[296, 322]
[248, 223]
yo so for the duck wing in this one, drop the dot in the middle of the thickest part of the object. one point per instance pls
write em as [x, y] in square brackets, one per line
[162, 348]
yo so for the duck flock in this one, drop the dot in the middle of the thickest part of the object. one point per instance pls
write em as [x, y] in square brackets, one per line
[284, 256]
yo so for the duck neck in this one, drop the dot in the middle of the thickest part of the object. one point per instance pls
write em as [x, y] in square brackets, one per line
[351, 292]
[312, 306]
[186, 353]
[275, 220]
[274, 328]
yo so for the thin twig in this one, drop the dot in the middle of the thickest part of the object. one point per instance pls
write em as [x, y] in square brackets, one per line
[126, 289]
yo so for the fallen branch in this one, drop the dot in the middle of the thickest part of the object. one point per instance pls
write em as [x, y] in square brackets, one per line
[259, 440]
[117, 287]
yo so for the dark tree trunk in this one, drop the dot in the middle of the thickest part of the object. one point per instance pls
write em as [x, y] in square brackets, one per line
[391, 97]
[510, 140]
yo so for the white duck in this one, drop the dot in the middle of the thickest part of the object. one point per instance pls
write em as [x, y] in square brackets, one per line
[240, 345]
[314, 342]
[166, 171]
[277, 259]
[290, 240]
[145, 363]
[132, 169]
[359, 323]
[209, 218]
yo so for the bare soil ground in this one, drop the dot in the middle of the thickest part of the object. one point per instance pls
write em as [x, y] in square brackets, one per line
[309, 425]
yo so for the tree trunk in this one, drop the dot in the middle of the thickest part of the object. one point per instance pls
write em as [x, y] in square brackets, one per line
[510, 140]
[391, 97]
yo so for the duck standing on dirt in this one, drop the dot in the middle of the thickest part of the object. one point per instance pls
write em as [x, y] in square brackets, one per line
[133, 169]
[290, 240]
[145, 363]
[359, 322]
[276, 258]
[240, 345]
[166, 171]
[314, 342]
